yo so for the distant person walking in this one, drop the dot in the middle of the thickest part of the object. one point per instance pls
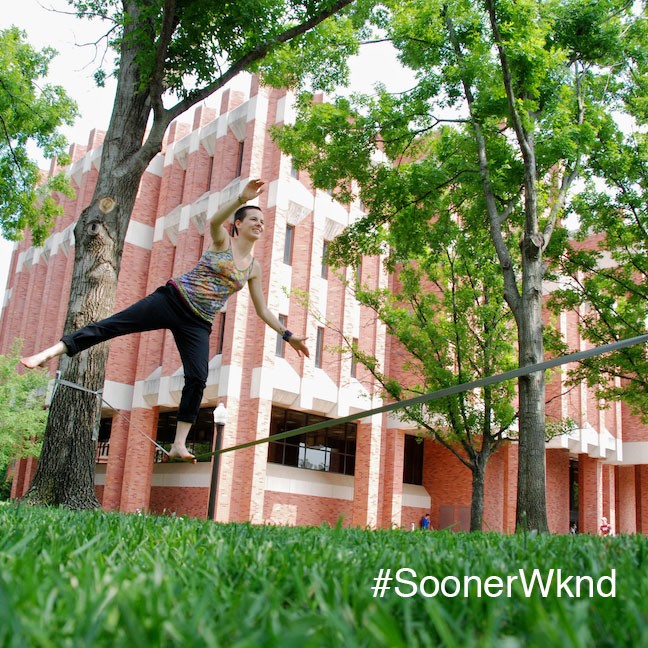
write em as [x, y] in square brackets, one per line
[606, 527]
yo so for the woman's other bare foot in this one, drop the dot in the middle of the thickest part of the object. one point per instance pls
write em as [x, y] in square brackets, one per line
[40, 359]
[31, 362]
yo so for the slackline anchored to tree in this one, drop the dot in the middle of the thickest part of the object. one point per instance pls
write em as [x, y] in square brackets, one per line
[418, 400]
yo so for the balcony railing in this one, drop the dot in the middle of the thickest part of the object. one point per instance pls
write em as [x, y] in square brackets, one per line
[102, 451]
[103, 448]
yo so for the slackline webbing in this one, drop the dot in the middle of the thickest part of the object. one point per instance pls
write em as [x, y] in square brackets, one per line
[441, 393]
[99, 393]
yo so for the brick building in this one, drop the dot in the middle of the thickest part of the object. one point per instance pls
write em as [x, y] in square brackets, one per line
[371, 472]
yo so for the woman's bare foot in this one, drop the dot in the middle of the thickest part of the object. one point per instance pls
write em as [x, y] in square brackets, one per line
[181, 452]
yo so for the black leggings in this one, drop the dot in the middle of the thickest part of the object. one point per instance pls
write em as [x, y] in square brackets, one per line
[163, 309]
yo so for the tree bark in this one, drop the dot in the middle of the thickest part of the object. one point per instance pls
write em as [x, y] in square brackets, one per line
[477, 500]
[531, 494]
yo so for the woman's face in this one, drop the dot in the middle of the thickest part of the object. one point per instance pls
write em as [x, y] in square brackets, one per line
[252, 224]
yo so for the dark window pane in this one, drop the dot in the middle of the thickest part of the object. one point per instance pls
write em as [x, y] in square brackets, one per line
[275, 452]
[413, 460]
[291, 456]
[335, 439]
[319, 347]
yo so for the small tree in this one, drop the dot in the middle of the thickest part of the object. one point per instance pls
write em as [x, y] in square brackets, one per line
[30, 113]
[445, 310]
[22, 416]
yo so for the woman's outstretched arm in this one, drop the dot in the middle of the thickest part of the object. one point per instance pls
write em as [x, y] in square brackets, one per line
[259, 301]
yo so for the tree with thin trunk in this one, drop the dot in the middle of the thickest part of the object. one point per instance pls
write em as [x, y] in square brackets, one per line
[172, 54]
[521, 92]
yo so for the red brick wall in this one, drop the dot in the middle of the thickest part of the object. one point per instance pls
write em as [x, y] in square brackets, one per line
[392, 477]
[509, 452]
[557, 488]
[633, 429]
[590, 496]
[307, 510]
[362, 479]
[493, 518]
[138, 463]
[626, 508]
[179, 500]
[412, 514]
[641, 489]
[447, 480]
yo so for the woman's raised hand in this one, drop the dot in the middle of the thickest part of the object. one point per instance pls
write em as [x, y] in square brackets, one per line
[251, 190]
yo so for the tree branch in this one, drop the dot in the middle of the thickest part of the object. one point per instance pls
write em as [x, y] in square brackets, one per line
[495, 218]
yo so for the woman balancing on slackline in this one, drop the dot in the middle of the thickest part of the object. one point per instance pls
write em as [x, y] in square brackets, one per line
[187, 305]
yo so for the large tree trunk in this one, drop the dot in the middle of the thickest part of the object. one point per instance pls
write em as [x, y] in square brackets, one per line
[531, 495]
[65, 473]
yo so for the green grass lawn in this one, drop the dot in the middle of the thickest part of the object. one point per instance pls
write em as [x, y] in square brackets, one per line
[105, 579]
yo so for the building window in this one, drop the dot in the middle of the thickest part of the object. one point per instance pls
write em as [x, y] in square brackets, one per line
[319, 347]
[358, 273]
[329, 450]
[294, 171]
[288, 244]
[221, 332]
[413, 460]
[573, 493]
[324, 262]
[210, 171]
[200, 438]
[354, 359]
[281, 344]
[239, 160]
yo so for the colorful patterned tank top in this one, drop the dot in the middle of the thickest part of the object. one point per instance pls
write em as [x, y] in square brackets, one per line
[206, 288]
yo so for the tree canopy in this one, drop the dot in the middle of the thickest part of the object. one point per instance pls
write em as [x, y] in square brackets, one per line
[607, 271]
[606, 266]
[31, 114]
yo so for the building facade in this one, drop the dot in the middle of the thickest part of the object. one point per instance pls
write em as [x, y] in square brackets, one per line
[370, 472]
